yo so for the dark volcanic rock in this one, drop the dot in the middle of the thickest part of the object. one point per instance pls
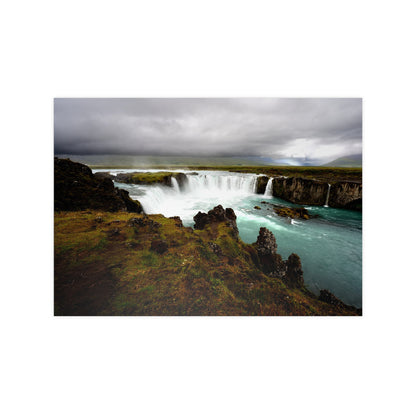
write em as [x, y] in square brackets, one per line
[181, 179]
[266, 242]
[300, 191]
[104, 175]
[76, 188]
[311, 192]
[269, 261]
[294, 273]
[346, 195]
[215, 215]
[261, 184]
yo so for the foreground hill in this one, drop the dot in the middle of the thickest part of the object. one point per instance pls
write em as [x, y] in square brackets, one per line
[136, 264]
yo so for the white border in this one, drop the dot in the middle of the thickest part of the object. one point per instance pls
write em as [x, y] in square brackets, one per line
[223, 365]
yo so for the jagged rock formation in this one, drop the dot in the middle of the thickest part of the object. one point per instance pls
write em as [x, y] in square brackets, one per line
[261, 184]
[265, 256]
[76, 188]
[346, 195]
[271, 263]
[216, 215]
[294, 272]
[150, 178]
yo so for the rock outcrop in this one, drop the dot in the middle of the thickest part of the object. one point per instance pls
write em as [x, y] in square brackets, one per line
[271, 263]
[294, 272]
[346, 195]
[217, 215]
[291, 212]
[261, 184]
[76, 189]
[302, 191]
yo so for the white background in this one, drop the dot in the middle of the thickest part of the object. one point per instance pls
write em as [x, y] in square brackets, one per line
[201, 366]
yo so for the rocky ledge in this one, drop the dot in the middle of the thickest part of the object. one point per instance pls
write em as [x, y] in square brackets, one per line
[76, 189]
[341, 194]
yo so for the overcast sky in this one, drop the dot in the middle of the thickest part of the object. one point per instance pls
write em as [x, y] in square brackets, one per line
[308, 129]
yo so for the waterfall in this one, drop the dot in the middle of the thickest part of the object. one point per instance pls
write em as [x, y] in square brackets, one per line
[175, 184]
[269, 188]
[327, 196]
[198, 192]
[219, 184]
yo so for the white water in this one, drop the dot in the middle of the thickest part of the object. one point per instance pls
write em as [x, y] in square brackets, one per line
[327, 196]
[269, 188]
[175, 184]
[201, 192]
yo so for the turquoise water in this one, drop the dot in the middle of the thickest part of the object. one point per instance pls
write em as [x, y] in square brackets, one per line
[330, 246]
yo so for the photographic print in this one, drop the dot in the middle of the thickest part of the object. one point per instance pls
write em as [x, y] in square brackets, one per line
[207, 206]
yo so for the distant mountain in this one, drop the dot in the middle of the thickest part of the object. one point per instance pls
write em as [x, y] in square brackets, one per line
[347, 161]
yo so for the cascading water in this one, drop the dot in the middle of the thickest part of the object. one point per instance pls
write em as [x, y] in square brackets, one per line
[198, 192]
[327, 196]
[175, 184]
[220, 184]
[269, 188]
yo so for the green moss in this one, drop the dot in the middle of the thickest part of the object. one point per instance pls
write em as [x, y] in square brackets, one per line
[100, 273]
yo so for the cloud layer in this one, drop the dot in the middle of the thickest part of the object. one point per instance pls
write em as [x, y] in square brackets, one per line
[307, 129]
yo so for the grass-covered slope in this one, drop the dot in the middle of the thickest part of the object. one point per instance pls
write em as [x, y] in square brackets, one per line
[133, 264]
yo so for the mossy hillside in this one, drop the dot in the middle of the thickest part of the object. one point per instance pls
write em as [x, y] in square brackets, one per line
[105, 265]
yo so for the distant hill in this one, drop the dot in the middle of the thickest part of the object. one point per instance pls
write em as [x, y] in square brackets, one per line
[131, 161]
[347, 161]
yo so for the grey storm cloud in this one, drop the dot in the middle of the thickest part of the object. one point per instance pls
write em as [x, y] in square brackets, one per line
[310, 128]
